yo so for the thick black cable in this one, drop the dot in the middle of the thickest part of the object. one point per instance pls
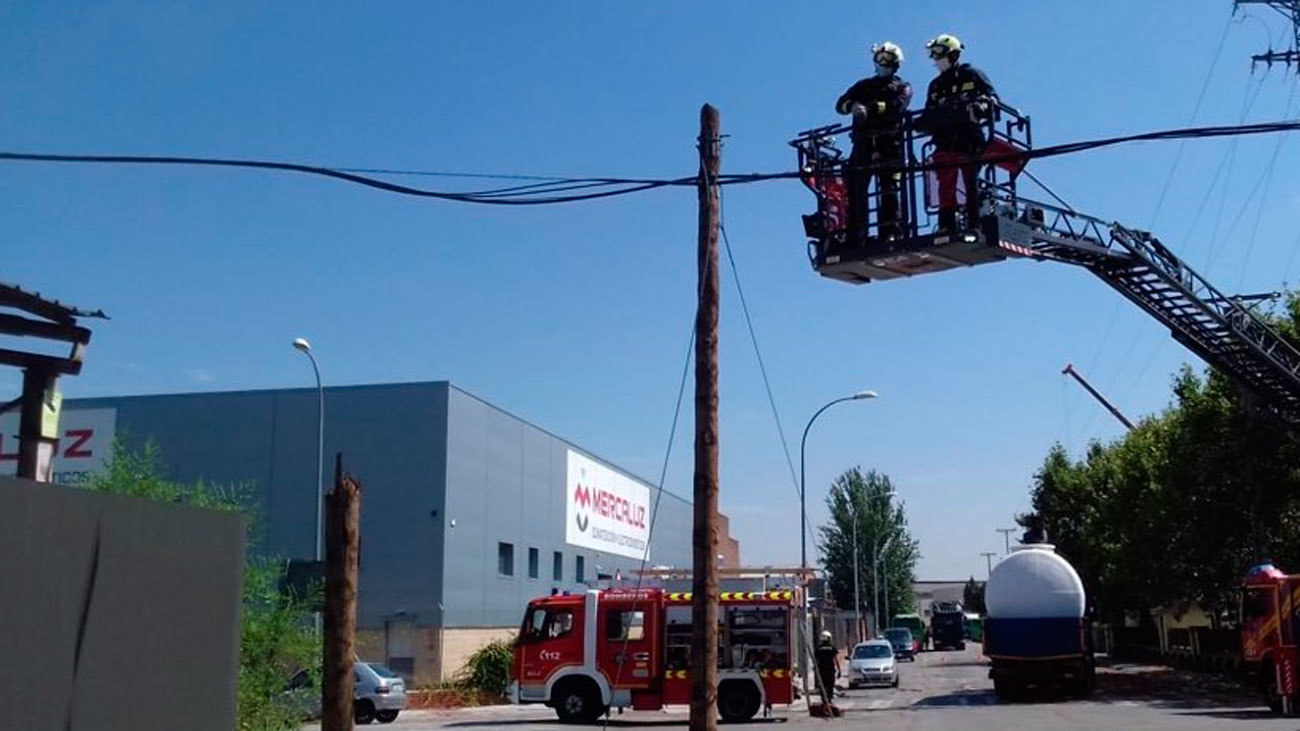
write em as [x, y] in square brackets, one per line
[329, 173]
[762, 367]
[627, 186]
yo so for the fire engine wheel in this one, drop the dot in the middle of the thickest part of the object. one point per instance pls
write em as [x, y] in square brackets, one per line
[738, 701]
[577, 701]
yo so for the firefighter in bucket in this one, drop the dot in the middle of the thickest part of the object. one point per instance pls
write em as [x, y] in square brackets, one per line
[878, 104]
[959, 100]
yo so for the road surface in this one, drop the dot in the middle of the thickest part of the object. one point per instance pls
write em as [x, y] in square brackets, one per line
[943, 691]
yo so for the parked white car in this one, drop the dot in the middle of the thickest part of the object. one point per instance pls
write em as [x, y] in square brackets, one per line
[872, 664]
[378, 694]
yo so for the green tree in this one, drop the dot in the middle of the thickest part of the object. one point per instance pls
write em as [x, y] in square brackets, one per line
[1175, 510]
[972, 596]
[881, 532]
[277, 636]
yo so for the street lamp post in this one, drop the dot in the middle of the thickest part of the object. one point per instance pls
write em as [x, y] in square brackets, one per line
[885, 587]
[304, 347]
[857, 580]
[803, 444]
[803, 519]
[875, 578]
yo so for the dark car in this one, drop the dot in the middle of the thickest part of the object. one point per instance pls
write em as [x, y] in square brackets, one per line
[900, 638]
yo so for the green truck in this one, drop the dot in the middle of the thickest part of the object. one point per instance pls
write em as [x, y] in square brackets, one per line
[913, 622]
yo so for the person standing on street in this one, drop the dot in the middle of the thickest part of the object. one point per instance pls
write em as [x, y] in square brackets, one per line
[828, 664]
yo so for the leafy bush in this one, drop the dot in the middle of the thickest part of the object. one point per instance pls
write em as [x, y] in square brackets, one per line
[488, 669]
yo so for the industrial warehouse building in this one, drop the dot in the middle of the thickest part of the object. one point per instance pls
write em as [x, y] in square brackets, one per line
[467, 511]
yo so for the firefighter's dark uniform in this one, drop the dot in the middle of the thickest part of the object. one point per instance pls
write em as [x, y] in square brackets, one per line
[952, 96]
[827, 666]
[877, 139]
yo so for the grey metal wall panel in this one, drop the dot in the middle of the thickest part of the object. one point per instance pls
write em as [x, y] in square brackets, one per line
[392, 437]
[106, 595]
[506, 483]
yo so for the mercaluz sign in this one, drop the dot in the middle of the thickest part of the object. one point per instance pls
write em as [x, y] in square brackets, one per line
[605, 510]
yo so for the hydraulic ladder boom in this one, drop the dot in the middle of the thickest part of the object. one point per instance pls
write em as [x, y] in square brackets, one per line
[1221, 330]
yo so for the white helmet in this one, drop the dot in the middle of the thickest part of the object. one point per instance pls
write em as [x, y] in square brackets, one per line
[887, 54]
[826, 634]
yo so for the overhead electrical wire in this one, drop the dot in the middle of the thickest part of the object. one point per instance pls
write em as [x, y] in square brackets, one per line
[565, 190]
[1169, 179]
[762, 366]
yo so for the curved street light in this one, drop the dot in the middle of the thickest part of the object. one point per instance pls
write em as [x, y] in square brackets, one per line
[803, 444]
[304, 347]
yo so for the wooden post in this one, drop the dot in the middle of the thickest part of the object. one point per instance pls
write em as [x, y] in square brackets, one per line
[342, 556]
[704, 609]
[35, 446]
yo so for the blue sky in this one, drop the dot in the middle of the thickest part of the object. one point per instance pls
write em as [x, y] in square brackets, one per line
[577, 316]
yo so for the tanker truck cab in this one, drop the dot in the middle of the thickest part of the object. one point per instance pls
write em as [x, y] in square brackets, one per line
[630, 648]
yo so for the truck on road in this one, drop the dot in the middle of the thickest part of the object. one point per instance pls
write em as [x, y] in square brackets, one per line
[1270, 624]
[913, 622]
[583, 654]
[1036, 632]
[948, 626]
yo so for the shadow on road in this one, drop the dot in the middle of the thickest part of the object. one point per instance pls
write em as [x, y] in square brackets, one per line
[958, 698]
[1165, 687]
[1254, 714]
[613, 723]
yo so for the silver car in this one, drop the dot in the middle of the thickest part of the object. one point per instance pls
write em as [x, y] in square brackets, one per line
[872, 664]
[378, 695]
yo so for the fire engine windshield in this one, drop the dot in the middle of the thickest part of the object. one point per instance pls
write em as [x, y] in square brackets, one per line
[545, 623]
[1256, 603]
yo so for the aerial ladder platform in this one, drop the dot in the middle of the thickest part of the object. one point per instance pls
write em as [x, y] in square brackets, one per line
[1223, 330]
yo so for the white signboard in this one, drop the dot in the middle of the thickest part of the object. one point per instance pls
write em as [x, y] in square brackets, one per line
[604, 510]
[85, 441]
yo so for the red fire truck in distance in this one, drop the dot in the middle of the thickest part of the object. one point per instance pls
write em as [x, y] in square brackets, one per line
[582, 654]
[1270, 626]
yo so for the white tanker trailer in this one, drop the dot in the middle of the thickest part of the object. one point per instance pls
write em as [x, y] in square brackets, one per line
[1036, 633]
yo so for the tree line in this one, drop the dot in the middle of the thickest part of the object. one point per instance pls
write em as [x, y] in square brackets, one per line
[1176, 510]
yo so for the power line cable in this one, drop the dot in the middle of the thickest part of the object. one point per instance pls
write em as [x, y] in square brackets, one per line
[1263, 198]
[530, 195]
[1249, 97]
[758, 355]
[1169, 179]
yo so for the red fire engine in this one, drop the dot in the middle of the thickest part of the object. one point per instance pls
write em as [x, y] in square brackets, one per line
[1270, 625]
[582, 654]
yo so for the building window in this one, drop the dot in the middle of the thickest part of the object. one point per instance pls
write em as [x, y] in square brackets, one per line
[506, 559]
[534, 558]
[579, 570]
[557, 566]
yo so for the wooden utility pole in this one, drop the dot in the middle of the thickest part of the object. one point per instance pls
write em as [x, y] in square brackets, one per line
[342, 557]
[704, 609]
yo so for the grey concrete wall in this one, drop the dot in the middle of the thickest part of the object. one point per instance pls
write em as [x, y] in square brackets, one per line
[506, 483]
[393, 440]
[117, 613]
